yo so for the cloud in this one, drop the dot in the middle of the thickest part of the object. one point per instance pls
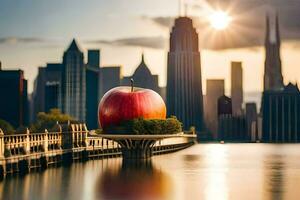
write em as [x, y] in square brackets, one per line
[164, 22]
[295, 44]
[248, 26]
[23, 40]
[155, 42]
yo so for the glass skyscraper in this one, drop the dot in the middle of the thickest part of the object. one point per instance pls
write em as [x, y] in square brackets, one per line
[73, 83]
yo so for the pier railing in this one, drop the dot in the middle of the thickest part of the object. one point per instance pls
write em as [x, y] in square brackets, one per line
[20, 152]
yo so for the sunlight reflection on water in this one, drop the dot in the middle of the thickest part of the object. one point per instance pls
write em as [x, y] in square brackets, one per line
[204, 171]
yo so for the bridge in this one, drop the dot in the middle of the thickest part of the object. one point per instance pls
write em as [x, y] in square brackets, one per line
[66, 143]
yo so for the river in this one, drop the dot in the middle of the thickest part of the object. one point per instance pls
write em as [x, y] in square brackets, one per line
[203, 171]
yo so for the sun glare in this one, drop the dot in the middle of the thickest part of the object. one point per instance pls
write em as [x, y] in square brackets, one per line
[219, 20]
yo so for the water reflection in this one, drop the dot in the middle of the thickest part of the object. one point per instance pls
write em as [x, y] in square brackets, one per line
[134, 181]
[22, 187]
[54, 183]
[274, 176]
[217, 186]
[204, 171]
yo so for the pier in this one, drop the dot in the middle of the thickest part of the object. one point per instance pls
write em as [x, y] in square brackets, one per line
[21, 153]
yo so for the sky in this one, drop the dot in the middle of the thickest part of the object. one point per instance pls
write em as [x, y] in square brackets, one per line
[36, 32]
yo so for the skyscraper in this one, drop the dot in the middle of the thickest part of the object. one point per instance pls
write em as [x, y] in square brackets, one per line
[236, 87]
[14, 97]
[94, 58]
[53, 83]
[224, 105]
[92, 88]
[143, 77]
[110, 77]
[184, 87]
[232, 128]
[280, 104]
[273, 79]
[74, 83]
[251, 117]
[56, 85]
[39, 92]
[52, 93]
[47, 88]
[281, 115]
[214, 90]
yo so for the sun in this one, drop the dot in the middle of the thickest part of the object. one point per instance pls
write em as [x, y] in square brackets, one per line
[219, 20]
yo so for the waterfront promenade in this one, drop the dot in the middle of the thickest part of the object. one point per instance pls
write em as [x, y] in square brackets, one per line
[20, 153]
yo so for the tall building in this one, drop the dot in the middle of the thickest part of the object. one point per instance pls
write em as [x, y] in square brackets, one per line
[184, 87]
[52, 93]
[56, 85]
[251, 117]
[143, 77]
[47, 88]
[14, 97]
[163, 91]
[39, 92]
[110, 77]
[94, 58]
[280, 104]
[224, 106]
[236, 87]
[281, 115]
[214, 90]
[232, 128]
[53, 81]
[273, 79]
[74, 83]
[92, 88]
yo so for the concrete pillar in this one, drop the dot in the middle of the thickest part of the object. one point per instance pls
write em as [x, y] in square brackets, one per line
[2, 158]
[45, 145]
[27, 142]
[67, 137]
[138, 151]
[85, 134]
[2, 170]
[23, 166]
[1, 144]
[67, 157]
[85, 155]
[67, 143]
[44, 162]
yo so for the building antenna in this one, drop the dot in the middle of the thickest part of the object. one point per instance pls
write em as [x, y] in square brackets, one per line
[179, 8]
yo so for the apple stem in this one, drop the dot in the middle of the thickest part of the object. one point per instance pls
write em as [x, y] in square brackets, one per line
[131, 81]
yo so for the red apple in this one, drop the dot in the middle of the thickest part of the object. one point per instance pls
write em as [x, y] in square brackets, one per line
[126, 103]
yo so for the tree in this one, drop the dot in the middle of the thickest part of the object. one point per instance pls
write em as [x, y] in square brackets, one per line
[6, 127]
[48, 120]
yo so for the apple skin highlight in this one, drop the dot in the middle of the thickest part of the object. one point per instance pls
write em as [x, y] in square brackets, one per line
[122, 104]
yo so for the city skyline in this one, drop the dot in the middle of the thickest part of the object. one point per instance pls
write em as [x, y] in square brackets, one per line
[33, 51]
[94, 93]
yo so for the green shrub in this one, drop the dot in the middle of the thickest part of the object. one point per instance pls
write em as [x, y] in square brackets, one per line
[98, 131]
[172, 125]
[49, 120]
[6, 127]
[148, 126]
